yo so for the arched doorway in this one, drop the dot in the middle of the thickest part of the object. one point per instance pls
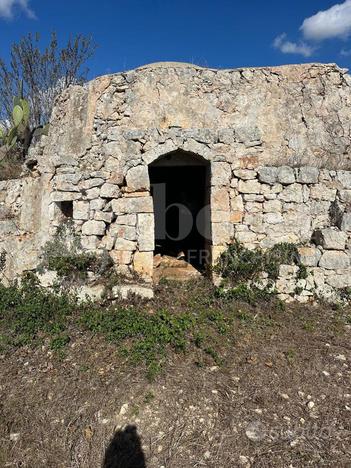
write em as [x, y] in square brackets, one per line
[180, 185]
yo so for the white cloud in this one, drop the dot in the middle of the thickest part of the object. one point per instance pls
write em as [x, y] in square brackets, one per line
[332, 23]
[287, 47]
[7, 8]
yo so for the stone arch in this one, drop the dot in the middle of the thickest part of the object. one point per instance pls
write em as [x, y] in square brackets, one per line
[169, 146]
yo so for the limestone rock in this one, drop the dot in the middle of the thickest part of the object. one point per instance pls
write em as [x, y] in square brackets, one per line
[334, 260]
[143, 264]
[220, 173]
[245, 174]
[219, 199]
[121, 257]
[292, 193]
[110, 191]
[138, 178]
[268, 175]
[93, 228]
[250, 186]
[330, 238]
[285, 175]
[128, 205]
[309, 256]
[307, 175]
[272, 206]
[124, 244]
[170, 268]
[145, 230]
[103, 216]
[90, 292]
[346, 222]
[81, 210]
[344, 177]
[124, 291]
[321, 192]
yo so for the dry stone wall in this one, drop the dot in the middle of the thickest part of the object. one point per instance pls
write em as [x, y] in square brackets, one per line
[304, 206]
[277, 140]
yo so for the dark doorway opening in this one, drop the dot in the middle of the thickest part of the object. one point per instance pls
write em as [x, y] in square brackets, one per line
[180, 184]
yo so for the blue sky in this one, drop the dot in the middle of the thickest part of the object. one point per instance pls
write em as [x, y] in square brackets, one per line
[215, 33]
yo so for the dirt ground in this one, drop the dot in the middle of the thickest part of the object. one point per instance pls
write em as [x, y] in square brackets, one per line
[281, 398]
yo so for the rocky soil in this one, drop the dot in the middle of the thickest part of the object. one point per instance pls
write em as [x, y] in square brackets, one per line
[281, 397]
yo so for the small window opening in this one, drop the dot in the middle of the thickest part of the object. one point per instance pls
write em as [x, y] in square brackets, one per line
[66, 208]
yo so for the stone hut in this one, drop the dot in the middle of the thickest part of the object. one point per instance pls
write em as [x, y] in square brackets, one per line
[179, 160]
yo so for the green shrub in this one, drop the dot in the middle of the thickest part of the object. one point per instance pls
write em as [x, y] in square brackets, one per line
[245, 293]
[283, 253]
[145, 338]
[28, 311]
[64, 255]
[238, 264]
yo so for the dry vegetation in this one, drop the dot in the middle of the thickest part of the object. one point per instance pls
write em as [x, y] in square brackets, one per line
[261, 386]
[10, 165]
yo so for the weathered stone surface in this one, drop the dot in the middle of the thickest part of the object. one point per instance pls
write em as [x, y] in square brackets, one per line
[91, 183]
[273, 218]
[249, 186]
[292, 193]
[146, 232]
[81, 210]
[125, 291]
[138, 178]
[307, 175]
[236, 203]
[345, 196]
[103, 216]
[309, 256]
[285, 175]
[97, 204]
[8, 226]
[330, 238]
[219, 199]
[170, 268]
[143, 264]
[92, 193]
[268, 175]
[124, 244]
[221, 233]
[121, 257]
[110, 191]
[93, 228]
[272, 206]
[245, 174]
[127, 205]
[65, 196]
[333, 260]
[107, 242]
[90, 292]
[67, 182]
[89, 242]
[220, 173]
[123, 231]
[346, 222]
[321, 192]
[129, 219]
[344, 177]
[339, 281]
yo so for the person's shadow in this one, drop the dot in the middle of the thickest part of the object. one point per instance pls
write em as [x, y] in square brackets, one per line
[124, 450]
